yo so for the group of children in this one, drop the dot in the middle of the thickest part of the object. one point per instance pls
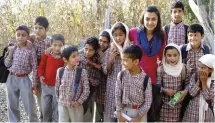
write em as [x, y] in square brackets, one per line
[111, 71]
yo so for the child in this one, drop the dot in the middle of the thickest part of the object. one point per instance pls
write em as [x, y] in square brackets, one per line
[70, 106]
[173, 79]
[150, 37]
[20, 61]
[90, 61]
[192, 51]
[201, 88]
[176, 31]
[130, 96]
[119, 34]
[104, 42]
[47, 72]
[40, 42]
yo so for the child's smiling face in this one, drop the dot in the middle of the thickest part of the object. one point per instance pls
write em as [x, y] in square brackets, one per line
[194, 39]
[172, 56]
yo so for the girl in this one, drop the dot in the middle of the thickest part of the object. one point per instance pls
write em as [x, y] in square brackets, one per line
[113, 66]
[201, 89]
[170, 77]
[104, 42]
[90, 61]
[150, 37]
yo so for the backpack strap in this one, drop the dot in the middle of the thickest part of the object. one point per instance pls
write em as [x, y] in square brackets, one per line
[166, 29]
[184, 53]
[206, 49]
[185, 30]
[183, 73]
[146, 81]
[77, 81]
[61, 72]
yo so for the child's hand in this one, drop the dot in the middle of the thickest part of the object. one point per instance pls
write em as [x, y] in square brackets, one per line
[75, 104]
[48, 50]
[120, 117]
[184, 93]
[169, 92]
[35, 91]
[97, 66]
[42, 78]
[203, 77]
[136, 119]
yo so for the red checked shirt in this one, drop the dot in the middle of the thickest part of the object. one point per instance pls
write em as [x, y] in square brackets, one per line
[41, 46]
[23, 61]
[176, 34]
[192, 111]
[65, 87]
[130, 90]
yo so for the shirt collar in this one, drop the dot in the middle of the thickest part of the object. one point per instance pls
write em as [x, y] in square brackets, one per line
[189, 46]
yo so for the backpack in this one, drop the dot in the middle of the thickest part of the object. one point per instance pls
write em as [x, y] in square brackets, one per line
[152, 114]
[167, 28]
[184, 51]
[77, 80]
[4, 70]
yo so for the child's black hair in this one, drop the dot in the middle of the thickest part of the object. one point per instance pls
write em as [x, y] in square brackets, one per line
[119, 26]
[170, 48]
[68, 50]
[94, 42]
[134, 52]
[24, 28]
[106, 34]
[57, 37]
[193, 28]
[42, 21]
[177, 4]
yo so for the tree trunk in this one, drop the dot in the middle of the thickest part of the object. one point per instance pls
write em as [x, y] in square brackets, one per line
[211, 9]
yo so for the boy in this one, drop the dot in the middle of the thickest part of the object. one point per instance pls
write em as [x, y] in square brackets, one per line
[131, 97]
[20, 61]
[104, 42]
[40, 42]
[90, 61]
[176, 31]
[192, 51]
[70, 94]
[47, 72]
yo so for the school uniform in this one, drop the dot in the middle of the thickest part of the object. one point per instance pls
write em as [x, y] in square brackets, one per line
[193, 57]
[101, 89]
[176, 34]
[130, 96]
[192, 111]
[170, 77]
[116, 67]
[20, 64]
[65, 95]
[94, 76]
[40, 47]
[48, 69]
[110, 88]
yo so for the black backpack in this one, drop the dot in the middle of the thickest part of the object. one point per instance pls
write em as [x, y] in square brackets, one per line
[184, 52]
[77, 80]
[152, 114]
[4, 70]
[167, 28]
